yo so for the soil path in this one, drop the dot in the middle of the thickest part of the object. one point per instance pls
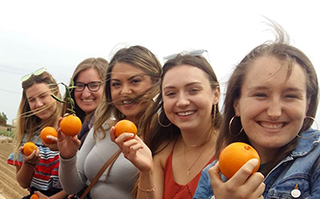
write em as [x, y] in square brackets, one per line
[9, 187]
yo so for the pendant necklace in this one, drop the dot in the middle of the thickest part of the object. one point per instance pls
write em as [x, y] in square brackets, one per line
[190, 167]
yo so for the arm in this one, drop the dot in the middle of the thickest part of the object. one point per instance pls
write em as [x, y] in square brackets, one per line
[71, 169]
[25, 172]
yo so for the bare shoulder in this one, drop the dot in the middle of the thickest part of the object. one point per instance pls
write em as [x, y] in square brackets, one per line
[164, 151]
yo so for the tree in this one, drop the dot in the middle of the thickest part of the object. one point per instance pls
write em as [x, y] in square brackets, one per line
[3, 119]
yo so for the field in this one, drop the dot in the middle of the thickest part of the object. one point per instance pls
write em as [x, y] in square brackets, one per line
[9, 187]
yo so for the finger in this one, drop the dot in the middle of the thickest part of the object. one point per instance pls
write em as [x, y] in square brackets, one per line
[112, 135]
[52, 139]
[245, 171]
[215, 177]
[255, 184]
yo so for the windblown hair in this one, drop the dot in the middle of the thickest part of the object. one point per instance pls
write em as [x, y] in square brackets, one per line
[287, 54]
[137, 56]
[28, 123]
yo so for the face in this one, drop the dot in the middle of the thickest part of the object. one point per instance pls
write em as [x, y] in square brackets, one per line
[87, 100]
[128, 82]
[271, 108]
[188, 98]
[39, 97]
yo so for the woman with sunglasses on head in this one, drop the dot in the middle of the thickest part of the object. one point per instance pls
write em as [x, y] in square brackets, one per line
[129, 89]
[88, 79]
[271, 101]
[37, 172]
[180, 129]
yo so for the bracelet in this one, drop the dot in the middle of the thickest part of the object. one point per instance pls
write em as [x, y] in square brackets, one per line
[29, 163]
[147, 190]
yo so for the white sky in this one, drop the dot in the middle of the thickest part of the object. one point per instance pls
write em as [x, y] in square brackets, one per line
[60, 34]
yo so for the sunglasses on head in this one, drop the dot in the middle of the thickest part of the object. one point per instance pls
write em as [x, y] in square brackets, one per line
[192, 53]
[36, 73]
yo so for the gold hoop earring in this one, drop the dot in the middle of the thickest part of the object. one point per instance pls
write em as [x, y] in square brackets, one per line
[214, 112]
[315, 132]
[230, 123]
[164, 126]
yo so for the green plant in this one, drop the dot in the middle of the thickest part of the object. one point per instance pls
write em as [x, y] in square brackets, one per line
[68, 98]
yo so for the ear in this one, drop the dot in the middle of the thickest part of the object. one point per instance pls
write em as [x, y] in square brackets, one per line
[236, 107]
[216, 96]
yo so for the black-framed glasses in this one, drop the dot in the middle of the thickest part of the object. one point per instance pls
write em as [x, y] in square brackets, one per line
[92, 86]
[186, 52]
[36, 73]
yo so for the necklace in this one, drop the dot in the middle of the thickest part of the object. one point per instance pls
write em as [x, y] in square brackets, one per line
[185, 157]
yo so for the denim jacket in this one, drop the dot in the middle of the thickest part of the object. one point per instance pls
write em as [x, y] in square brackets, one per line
[301, 168]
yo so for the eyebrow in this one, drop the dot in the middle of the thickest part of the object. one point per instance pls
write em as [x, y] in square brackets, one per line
[189, 84]
[130, 78]
[32, 97]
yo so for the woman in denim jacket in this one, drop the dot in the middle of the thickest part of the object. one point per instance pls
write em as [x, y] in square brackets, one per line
[270, 103]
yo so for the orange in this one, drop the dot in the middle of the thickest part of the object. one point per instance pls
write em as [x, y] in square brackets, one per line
[48, 131]
[71, 125]
[28, 148]
[125, 126]
[34, 196]
[234, 156]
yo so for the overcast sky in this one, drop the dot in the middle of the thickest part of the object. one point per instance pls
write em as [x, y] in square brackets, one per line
[60, 34]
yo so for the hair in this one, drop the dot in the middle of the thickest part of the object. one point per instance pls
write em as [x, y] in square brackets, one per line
[158, 132]
[286, 53]
[100, 65]
[137, 56]
[28, 123]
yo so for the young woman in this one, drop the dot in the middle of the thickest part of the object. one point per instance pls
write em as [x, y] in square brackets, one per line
[180, 129]
[271, 100]
[129, 89]
[89, 79]
[39, 171]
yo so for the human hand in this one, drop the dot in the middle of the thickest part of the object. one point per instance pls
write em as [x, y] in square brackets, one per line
[67, 145]
[134, 149]
[53, 146]
[243, 185]
[33, 158]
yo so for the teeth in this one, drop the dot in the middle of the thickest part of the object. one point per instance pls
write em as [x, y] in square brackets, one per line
[186, 113]
[272, 126]
[126, 102]
[87, 100]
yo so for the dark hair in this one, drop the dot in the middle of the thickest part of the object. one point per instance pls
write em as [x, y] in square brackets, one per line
[286, 53]
[156, 134]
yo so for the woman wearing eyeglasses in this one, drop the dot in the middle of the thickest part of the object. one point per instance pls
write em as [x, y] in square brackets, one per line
[130, 87]
[89, 78]
[180, 129]
[37, 172]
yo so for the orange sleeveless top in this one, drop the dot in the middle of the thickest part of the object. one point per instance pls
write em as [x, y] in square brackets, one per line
[173, 190]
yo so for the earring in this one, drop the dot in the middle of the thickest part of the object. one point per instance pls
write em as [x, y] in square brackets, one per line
[315, 132]
[164, 126]
[230, 123]
[214, 112]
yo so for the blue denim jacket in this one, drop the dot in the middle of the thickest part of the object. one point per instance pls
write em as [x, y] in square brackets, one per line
[301, 167]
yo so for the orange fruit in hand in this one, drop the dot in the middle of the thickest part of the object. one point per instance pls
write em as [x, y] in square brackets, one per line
[48, 131]
[34, 196]
[125, 126]
[234, 156]
[71, 125]
[28, 148]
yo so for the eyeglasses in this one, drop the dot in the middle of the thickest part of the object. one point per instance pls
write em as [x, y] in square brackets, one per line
[92, 86]
[36, 73]
[192, 53]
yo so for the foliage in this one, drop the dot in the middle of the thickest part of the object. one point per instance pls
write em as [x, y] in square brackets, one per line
[68, 96]
[3, 119]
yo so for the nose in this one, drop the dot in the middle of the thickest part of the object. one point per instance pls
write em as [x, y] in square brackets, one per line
[182, 100]
[38, 103]
[275, 109]
[126, 89]
[86, 92]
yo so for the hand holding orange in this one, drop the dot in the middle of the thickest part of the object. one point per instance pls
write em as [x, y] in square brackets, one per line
[125, 126]
[28, 148]
[34, 196]
[234, 156]
[48, 131]
[71, 125]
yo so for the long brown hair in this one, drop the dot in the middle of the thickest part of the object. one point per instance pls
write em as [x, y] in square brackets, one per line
[281, 50]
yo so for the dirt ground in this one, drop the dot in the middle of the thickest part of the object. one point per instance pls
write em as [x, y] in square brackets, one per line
[9, 187]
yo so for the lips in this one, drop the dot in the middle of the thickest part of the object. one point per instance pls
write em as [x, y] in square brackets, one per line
[127, 102]
[269, 125]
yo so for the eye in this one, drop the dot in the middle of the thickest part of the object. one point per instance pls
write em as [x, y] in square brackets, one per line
[136, 80]
[193, 91]
[260, 95]
[170, 93]
[115, 84]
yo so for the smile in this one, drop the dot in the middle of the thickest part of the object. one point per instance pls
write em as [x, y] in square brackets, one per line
[187, 113]
[127, 102]
[272, 125]
[87, 100]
